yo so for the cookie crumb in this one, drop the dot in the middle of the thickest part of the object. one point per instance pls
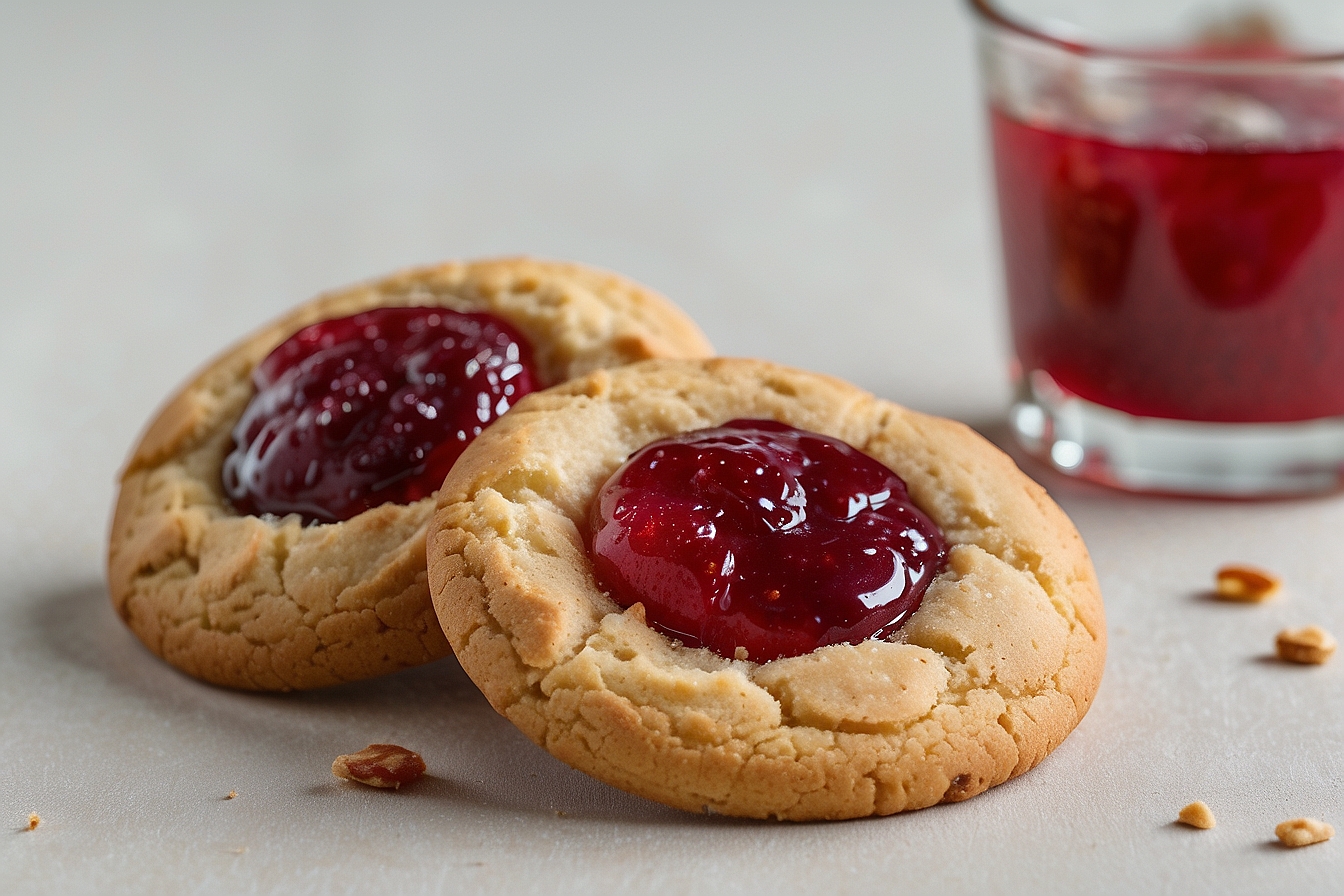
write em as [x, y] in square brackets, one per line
[1310, 646]
[1303, 832]
[1197, 815]
[33, 821]
[740, 653]
[1245, 584]
[231, 795]
[380, 765]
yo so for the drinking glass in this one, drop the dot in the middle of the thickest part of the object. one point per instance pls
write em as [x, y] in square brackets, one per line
[1170, 182]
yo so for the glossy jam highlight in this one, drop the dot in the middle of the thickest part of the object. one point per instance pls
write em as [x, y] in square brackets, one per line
[1201, 284]
[759, 536]
[374, 408]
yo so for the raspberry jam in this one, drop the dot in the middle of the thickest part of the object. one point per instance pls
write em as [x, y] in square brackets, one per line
[761, 536]
[371, 409]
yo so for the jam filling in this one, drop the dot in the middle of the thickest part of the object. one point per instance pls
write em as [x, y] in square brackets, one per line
[370, 409]
[759, 536]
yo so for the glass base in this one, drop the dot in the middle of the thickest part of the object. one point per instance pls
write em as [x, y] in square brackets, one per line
[1148, 454]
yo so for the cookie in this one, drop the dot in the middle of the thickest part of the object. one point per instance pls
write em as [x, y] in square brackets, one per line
[991, 672]
[271, 603]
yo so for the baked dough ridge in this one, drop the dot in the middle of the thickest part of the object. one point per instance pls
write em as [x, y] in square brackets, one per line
[991, 673]
[266, 603]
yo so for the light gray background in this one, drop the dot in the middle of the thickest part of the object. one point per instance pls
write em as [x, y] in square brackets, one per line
[809, 181]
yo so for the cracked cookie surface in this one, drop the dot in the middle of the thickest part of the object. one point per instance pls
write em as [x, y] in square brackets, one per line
[997, 666]
[268, 603]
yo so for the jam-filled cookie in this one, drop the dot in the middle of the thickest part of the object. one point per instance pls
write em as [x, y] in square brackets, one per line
[741, 588]
[270, 527]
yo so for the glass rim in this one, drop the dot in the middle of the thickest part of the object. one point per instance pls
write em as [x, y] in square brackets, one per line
[988, 13]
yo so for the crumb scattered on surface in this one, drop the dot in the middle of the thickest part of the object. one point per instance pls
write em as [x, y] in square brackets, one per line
[741, 653]
[231, 795]
[1246, 584]
[33, 821]
[380, 765]
[1197, 815]
[1311, 645]
[1303, 832]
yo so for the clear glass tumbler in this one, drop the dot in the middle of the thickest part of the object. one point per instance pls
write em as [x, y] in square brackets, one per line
[1171, 196]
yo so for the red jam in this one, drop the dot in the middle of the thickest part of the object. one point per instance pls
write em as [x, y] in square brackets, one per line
[371, 409]
[760, 536]
[1200, 284]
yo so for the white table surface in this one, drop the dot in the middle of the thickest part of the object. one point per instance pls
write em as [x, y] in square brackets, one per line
[810, 182]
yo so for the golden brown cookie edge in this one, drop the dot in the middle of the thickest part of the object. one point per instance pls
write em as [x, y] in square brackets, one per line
[514, 687]
[158, 530]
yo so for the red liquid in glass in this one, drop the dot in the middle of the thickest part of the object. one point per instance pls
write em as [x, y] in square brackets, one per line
[1178, 284]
